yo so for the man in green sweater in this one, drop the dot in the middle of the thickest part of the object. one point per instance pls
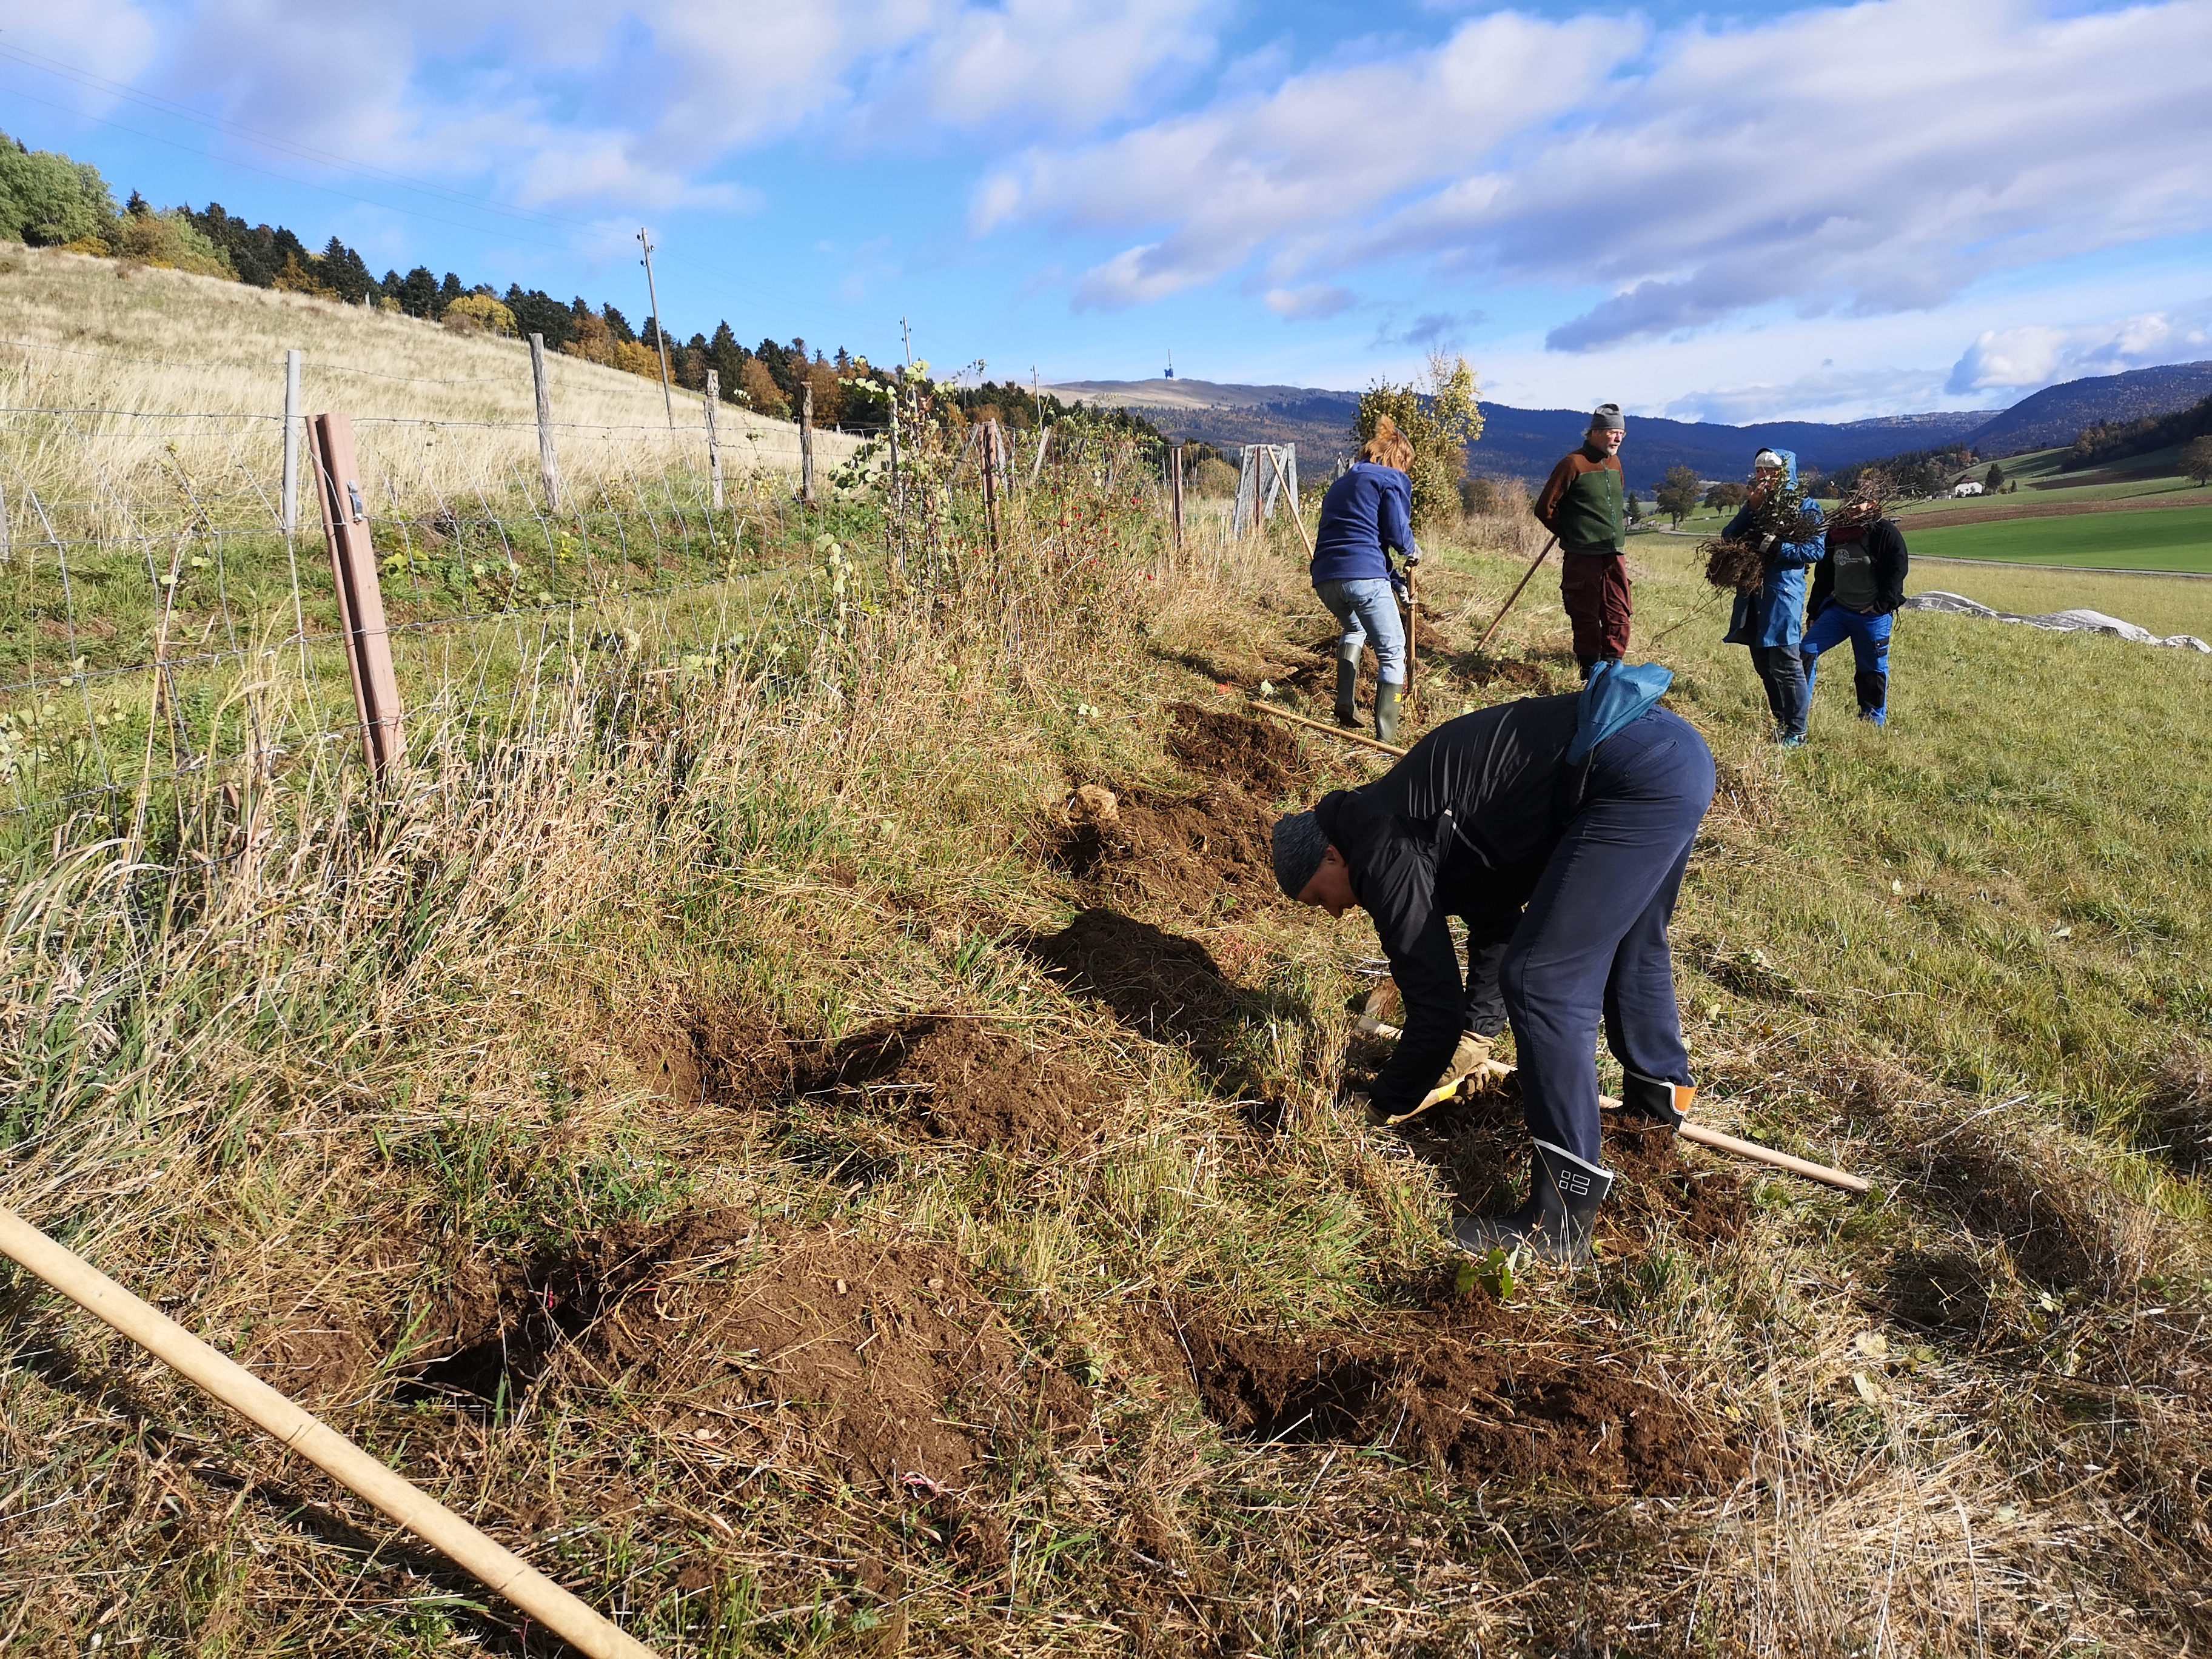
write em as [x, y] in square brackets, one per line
[1582, 504]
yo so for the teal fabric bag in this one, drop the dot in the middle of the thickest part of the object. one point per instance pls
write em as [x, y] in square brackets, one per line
[1617, 694]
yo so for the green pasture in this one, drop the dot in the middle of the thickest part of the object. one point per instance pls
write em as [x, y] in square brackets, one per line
[2171, 538]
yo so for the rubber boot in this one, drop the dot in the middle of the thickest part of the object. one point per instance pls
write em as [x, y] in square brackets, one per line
[1557, 1221]
[1386, 713]
[1348, 702]
[1649, 1100]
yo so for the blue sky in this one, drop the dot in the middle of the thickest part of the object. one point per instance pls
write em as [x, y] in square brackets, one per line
[1828, 211]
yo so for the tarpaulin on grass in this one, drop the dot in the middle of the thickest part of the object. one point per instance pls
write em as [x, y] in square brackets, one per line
[2062, 622]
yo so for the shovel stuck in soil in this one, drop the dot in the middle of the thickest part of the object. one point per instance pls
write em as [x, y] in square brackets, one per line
[499, 1569]
[1696, 1134]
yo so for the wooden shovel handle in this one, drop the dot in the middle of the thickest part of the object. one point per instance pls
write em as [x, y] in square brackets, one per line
[500, 1570]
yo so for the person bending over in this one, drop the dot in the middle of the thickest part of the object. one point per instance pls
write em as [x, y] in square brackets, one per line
[1581, 503]
[1366, 514]
[1857, 589]
[1771, 619]
[1558, 829]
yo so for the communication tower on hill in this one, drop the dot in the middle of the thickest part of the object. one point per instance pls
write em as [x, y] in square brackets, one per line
[1170, 374]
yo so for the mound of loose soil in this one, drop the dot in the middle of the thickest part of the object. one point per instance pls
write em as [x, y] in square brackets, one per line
[1251, 754]
[1186, 854]
[715, 1053]
[1491, 1410]
[961, 1081]
[882, 1358]
[1153, 982]
[1706, 1204]
[1495, 670]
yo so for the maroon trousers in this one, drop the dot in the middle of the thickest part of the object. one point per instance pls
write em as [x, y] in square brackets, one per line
[1594, 587]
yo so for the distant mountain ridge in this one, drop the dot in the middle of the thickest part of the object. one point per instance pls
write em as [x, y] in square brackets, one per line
[1526, 442]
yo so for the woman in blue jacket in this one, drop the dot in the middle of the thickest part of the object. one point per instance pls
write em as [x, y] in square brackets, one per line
[1771, 619]
[1367, 511]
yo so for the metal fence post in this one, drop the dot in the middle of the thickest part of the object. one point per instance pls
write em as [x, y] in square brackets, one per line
[292, 442]
[361, 601]
[548, 469]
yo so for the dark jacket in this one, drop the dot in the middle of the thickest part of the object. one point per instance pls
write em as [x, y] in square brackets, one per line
[1370, 507]
[1885, 546]
[1582, 504]
[1461, 827]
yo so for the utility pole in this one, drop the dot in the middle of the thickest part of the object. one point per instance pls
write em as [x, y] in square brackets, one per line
[907, 335]
[659, 328]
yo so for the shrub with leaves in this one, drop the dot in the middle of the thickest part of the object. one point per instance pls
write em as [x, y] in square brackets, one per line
[1442, 416]
[172, 242]
[473, 310]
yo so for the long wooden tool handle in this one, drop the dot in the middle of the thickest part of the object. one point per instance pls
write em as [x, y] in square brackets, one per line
[1360, 737]
[502, 1571]
[1842, 1180]
[1516, 594]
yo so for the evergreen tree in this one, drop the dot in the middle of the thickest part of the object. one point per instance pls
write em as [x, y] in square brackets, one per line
[449, 291]
[418, 292]
[617, 325]
[538, 312]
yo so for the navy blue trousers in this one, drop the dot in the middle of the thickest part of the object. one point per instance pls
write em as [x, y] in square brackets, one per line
[1591, 947]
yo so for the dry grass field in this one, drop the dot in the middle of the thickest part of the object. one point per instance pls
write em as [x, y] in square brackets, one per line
[765, 1146]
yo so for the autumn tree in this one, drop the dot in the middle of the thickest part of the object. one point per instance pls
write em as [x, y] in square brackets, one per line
[1441, 415]
[2196, 460]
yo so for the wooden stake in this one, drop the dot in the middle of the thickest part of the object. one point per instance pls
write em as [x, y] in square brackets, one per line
[361, 601]
[291, 497]
[805, 435]
[1360, 737]
[499, 1569]
[1412, 628]
[1508, 605]
[989, 437]
[1037, 466]
[1174, 490]
[548, 469]
[713, 435]
[1297, 517]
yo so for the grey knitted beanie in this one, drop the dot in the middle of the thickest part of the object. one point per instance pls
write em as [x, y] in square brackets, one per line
[1300, 846]
[1605, 417]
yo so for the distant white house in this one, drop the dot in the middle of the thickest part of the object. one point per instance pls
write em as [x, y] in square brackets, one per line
[1965, 487]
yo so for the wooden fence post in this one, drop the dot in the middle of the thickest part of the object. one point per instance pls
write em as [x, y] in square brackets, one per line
[548, 469]
[989, 430]
[7, 535]
[361, 601]
[713, 435]
[1174, 490]
[806, 441]
[292, 442]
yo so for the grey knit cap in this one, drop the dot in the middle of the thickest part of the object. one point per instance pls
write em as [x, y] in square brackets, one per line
[1300, 846]
[1605, 417]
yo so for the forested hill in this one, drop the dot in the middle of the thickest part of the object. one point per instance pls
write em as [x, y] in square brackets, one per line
[2060, 414]
[1521, 443]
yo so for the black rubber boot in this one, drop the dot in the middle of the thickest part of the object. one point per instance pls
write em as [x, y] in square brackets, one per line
[1348, 702]
[1386, 713]
[1557, 1221]
[1649, 1100]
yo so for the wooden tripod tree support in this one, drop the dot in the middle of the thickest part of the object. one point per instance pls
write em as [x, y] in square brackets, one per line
[361, 601]
[498, 1568]
[1283, 482]
[1516, 594]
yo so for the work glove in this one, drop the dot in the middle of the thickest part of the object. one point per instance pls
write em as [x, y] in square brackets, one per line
[1466, 1058]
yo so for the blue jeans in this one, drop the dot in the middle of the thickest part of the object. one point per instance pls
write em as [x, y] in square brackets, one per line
[1591, 947]
[1870, 638]
[1369, 612]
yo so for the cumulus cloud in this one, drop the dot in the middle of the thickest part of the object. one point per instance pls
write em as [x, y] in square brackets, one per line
[1864, 158]
[1433, 330]
[2021, 359]
[1813, 396]
[1312, 303]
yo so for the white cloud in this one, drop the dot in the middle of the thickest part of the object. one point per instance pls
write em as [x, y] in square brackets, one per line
[1824, 390]
[2020, 360]
[1864, 159]
[1313, 302]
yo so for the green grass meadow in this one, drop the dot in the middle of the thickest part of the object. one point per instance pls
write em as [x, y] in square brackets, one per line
[2165, 539]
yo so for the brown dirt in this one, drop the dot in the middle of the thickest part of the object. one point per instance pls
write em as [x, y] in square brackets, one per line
[1706, 1204]
[1911, 521]
[711, 1053]
[1153, 982]
[1444, 1384]
[960, 1081]
[1251, 754]
[1188, 853]
[881, 1357]
[1492, 670]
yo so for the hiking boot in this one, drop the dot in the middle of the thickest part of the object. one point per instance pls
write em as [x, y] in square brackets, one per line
[1557, 1221]
[1348, 704]
[1650, 1100]
[1386, 713]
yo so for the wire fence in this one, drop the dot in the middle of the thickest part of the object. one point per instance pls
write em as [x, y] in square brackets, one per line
[163, 632]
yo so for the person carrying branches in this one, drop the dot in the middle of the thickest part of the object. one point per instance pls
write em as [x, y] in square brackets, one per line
[1583, 505]
[1857, 586]
[1775, 536]
[1367, 513]
[1558, 829]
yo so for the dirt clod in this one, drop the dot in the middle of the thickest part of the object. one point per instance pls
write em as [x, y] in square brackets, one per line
[963, 1082]
[1188, 854]
[1234, 749]
[1153, 982]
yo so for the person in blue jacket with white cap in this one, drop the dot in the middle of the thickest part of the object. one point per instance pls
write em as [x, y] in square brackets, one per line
[1558, 829]
[1771, 619]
